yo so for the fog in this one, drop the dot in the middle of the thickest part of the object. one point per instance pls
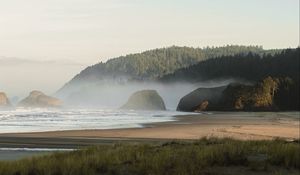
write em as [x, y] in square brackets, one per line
[113, 95]
[19, 76]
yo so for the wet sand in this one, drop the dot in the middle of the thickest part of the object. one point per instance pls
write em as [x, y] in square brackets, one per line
[237, 125]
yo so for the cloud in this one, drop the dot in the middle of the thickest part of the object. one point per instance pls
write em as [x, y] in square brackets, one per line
[14, 61]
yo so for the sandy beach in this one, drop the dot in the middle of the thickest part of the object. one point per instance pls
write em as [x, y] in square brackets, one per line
[238, 125]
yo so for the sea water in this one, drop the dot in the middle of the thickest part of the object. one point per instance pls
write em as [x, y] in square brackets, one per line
[39, 120]
[18, 153]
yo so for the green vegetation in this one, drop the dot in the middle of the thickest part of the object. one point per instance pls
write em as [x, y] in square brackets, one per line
[251, 67]
[268, 94]
[156, 63]
[178, 157]
[287, 94]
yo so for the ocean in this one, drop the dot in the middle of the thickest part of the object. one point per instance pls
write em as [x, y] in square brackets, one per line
[40, 119]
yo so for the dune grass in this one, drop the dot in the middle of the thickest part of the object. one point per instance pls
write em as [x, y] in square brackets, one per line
[170, 158]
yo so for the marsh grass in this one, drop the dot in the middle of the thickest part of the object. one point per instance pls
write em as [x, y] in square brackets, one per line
[177, 157]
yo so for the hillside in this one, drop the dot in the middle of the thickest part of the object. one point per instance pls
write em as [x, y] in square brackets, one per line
[157, 63]
[251, 67]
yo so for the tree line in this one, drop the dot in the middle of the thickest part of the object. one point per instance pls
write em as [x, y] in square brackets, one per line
[251, 67]
[154, 64]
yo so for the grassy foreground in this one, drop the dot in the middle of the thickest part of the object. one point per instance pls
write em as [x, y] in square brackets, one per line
[205, 156]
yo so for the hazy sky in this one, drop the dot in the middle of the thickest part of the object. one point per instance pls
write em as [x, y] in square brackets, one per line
[46, 42]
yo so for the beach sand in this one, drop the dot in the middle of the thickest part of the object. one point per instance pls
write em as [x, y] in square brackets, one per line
[237, 125]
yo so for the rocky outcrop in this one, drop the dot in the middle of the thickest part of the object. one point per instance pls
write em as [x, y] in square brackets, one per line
[257, 97]
[203, 106]
[201, 99]
[4, 102]
[39, 99]
[145, 100]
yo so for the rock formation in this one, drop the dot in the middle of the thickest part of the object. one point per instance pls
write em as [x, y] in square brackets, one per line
[257, 97]
[4, 102]
[145, 100]
[203, 106]
[39, 99]
[200, 99]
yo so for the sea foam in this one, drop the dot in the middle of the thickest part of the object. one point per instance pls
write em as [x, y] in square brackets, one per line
[38, 120]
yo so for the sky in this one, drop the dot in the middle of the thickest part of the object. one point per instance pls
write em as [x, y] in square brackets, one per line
[43, 44]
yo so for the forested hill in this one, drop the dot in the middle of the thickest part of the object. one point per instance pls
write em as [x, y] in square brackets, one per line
[156, 63]
[251, 67]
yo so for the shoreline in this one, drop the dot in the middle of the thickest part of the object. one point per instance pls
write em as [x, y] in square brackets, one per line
[236, 125]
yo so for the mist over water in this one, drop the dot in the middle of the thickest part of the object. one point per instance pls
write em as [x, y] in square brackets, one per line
[112, 95]
[96, 106]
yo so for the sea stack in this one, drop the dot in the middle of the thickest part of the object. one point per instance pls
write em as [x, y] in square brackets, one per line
[40, 100]
[4, 102]
[201, 99]
[145, 100]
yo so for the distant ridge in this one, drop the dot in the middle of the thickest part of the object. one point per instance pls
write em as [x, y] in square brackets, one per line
[153, 64]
